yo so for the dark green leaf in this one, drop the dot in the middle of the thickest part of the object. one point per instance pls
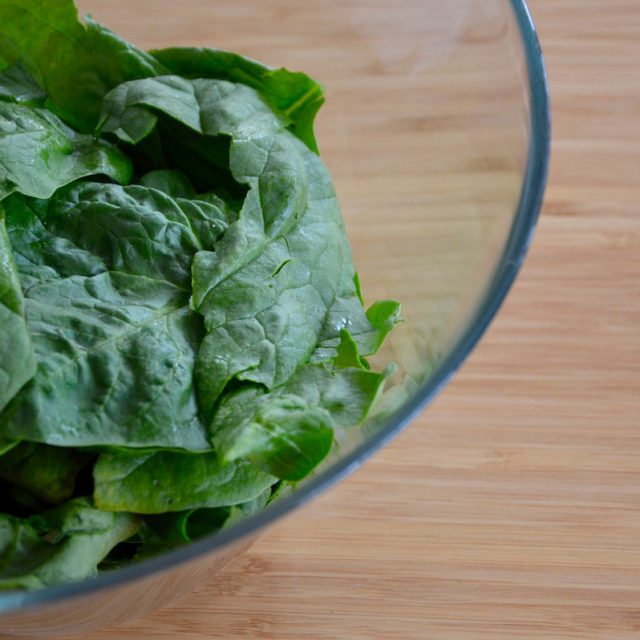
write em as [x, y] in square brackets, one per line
[17, 361]
[179, 527]
[173, 183]
[76, 63]
[347, 394]
[284, 436]
[368, 332]
[49, 473]
[7, 445]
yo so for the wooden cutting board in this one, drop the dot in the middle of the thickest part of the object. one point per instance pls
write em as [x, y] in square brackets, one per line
[511, 508]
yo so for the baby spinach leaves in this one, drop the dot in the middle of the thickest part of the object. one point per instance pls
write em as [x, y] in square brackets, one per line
[182, 331]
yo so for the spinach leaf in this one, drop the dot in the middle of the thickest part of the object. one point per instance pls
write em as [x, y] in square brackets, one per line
[76, 64]
[293, 94]
[106, 272]
[368, 332]
[283, 435]
[346, 393]
[290, 431]
[17, 361]
[267, 291]
[180, 527]
[58, 546]
[39, 153]
[173, 481]
[198, 524]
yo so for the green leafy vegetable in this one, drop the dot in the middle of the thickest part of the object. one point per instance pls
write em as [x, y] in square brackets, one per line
[180, 527]
[266, 291]
[17, 85]
[61, 545]
[294, 95]
[284, 435]
[17, 361]
[182, 330]
[171, 481]
[107, 281]
[76, 64]
[39, 153]
[7, 445]
[290, 431]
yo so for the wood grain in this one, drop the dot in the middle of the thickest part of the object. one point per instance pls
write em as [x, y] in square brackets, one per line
[511, 508]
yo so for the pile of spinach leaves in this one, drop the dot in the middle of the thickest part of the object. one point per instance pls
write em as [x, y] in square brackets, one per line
[181, 326]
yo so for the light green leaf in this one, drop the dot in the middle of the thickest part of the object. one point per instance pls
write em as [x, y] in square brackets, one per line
[59, 546]
[174, 183]
[172, 481]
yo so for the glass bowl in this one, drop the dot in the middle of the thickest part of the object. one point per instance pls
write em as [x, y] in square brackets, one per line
[436, 131]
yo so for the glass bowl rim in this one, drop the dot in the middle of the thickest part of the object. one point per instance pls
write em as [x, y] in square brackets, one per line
[513, 255]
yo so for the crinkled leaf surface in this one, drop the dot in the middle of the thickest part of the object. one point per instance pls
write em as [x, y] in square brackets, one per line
[215, 304]
[17, 361]
[270, 287]
[106, 274]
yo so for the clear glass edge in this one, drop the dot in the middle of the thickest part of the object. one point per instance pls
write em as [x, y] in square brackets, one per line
[514, 253]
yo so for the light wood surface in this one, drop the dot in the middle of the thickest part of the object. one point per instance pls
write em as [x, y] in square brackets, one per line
[511, 509]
